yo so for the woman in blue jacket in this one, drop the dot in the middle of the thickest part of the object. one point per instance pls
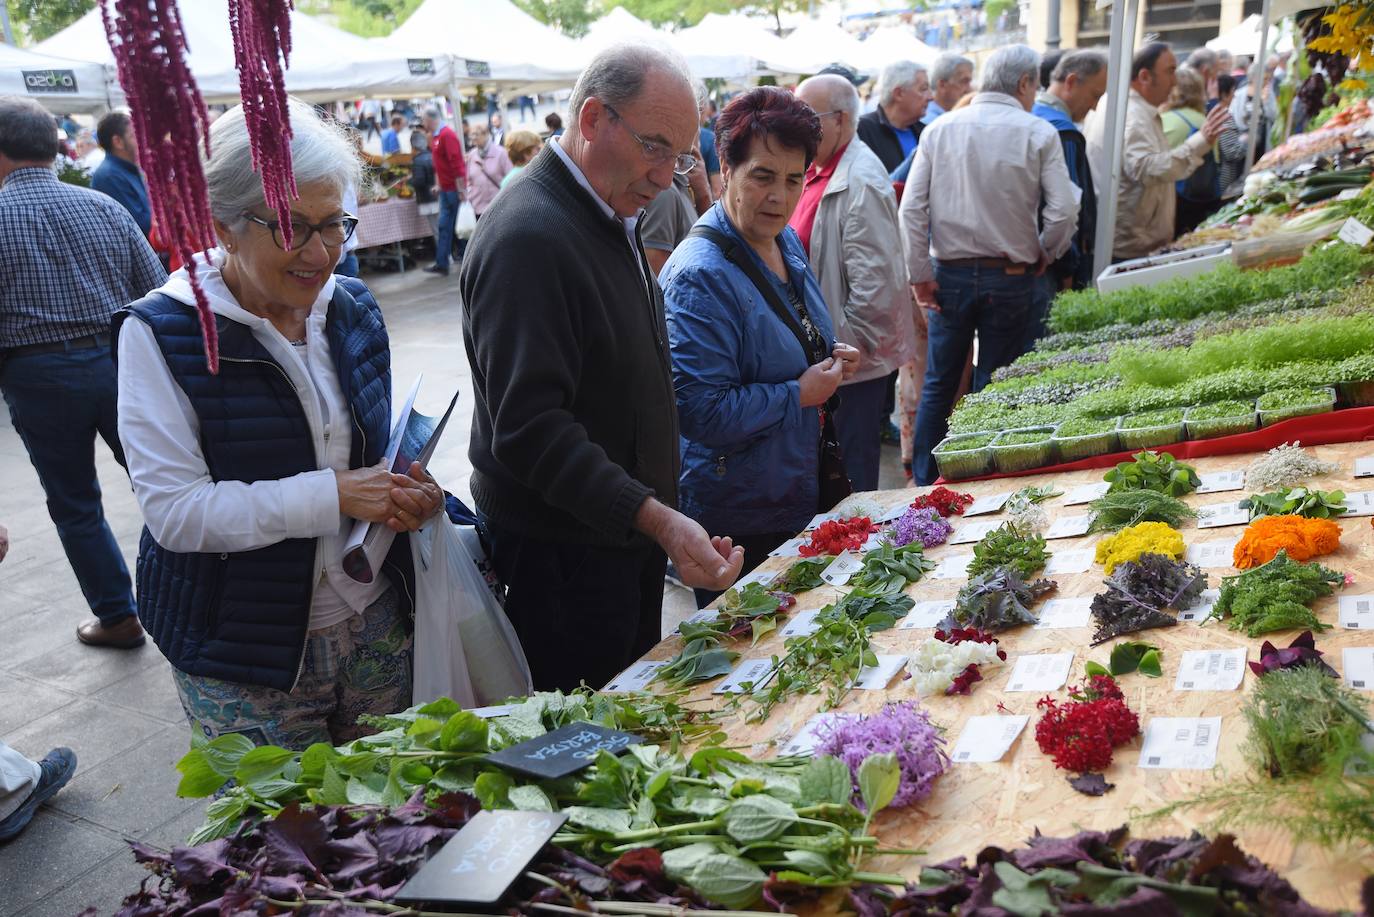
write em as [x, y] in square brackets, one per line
[749, 392]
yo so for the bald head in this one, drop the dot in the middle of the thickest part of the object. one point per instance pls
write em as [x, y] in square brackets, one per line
[836, 101]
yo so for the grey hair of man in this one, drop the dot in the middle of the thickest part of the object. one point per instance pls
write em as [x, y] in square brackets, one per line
[838, 94]
[616, 75]
[700, 92]
[1083, 64]
[946, 66]
[896, 75]
[1203, 60]
[1007, 67]
[28, 131]
[432, 116]
[320, 154]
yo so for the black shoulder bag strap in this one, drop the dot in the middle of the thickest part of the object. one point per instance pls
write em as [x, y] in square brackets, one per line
[834, 484]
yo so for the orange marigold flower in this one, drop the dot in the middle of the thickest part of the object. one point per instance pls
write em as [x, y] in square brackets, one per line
[1301, 537]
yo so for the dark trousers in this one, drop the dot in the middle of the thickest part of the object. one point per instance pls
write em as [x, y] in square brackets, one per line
[443, 236]
[859, 424]
[996, 306]
[59, 403]
[1037, 325]
[756, 548]
[583, 612]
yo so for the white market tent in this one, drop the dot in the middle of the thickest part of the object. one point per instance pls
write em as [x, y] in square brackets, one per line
[894, 43]
[326, 63]
[60, 84]
[619, 25]
[495, 43]
[816, 43]
[1245, 38]
[726, 47]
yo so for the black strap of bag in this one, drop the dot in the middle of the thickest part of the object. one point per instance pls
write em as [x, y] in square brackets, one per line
[835, 484]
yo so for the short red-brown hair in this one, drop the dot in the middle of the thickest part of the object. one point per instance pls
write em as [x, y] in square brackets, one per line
[768, 111]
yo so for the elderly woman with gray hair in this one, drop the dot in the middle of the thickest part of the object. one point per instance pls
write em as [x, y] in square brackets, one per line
[250, 479]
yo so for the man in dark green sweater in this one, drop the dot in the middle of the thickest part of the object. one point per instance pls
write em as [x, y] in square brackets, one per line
[574, 428]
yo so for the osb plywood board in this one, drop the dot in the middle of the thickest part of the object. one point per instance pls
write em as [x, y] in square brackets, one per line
[1006, 802]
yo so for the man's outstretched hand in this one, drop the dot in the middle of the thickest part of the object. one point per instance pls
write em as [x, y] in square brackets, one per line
[702, 561]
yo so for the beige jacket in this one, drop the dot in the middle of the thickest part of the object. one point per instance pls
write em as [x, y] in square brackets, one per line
[856, 252]
[1149, 168]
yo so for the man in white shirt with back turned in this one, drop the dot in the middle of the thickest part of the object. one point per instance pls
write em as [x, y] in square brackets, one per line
[974, 234]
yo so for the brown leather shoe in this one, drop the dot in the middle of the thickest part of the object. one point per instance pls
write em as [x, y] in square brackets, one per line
[124, 635]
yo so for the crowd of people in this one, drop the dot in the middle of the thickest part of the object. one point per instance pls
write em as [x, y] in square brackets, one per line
[726, 309]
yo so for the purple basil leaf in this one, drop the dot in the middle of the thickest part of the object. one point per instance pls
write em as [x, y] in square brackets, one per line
[295, 840]
[201, 865]
[352, 856]
[1143, 902]
[397, 841]
[1091, 784]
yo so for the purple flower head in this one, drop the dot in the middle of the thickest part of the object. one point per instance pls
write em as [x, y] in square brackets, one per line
[904, 730]
[925, 525]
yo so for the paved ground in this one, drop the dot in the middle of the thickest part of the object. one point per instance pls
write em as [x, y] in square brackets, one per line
[118, 709]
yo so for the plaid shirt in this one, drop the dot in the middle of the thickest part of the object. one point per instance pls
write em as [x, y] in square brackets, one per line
[69, 258]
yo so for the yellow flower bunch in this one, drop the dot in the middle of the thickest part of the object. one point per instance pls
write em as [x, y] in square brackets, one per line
[1145, 538]
[1352, 31]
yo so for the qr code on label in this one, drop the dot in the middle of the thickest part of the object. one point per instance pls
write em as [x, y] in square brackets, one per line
[1016, 687]
[1181, 735]
[1203, 734]
[962, 756]
[1154, 759]
[1187, 684]
[1362, 606]
[1358, 684]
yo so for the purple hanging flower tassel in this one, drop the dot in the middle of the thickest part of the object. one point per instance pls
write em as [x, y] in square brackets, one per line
[262, 51]
[170, 122]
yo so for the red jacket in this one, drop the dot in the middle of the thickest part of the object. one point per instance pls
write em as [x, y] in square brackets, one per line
[449, 167]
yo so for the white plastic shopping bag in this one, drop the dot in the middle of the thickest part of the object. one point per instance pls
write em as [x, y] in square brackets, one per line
[466, 224]
[465, 647]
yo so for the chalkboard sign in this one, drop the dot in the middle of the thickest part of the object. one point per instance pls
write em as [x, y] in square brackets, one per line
[564, 751]
[481, 861]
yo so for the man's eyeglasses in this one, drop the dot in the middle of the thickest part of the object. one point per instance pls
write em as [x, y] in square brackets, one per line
[656, 152]
[333, 232]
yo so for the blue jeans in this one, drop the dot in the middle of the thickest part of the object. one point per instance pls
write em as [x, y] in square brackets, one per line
[443, 237]
[1037, 326]
[858, 425]
[59, 402]
[526, 102]
[988, 301]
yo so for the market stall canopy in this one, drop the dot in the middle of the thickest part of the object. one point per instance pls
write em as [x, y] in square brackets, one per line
[494, 43]
[895, 43]
[619, 25]
[326, 63]
[726, 47]
[60, 84]
[816, 43]
[1245, 38]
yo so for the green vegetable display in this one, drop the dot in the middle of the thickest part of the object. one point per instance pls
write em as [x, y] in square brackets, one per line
[1299, 501]
[804, 575]
[1275, 596]
[1116, 511]
[1157, 471]
[891, 569]
[1012, 547]
[1128, 657]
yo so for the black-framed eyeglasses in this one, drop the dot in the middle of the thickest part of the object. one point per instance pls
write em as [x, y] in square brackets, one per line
[333, 232]
[656, 152]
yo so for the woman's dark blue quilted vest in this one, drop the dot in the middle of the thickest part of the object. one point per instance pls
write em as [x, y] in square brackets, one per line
[243, 617]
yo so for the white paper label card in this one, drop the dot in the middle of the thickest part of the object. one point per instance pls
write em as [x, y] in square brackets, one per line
[1069, 527]
[990, 504]
[820, 518]
[1358, 665]
[1061, 613]
[954, 567]
[493, 711]
[1220, 481]
[705, 616]
[842, 568]
[1360, 503]
[926, 614]
[876, 677]
[808, 737]
[1211, 670]
[1040, 672]
[1086, 493]
[1222, 514]
[636, 677]
[1064, 563]
[1211, 554]
[1362, 767]
[1203, 609]
[1355, 232]
[1357, 612]
[764, 578]
[802, 624]
[1184, 743]
[791, 547]
[987, 738]
[895, 512]
[755, 672]
[970, 532]
[1364, 468]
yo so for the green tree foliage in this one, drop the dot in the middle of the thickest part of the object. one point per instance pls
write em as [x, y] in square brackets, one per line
[40, 19]
[571, 17]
